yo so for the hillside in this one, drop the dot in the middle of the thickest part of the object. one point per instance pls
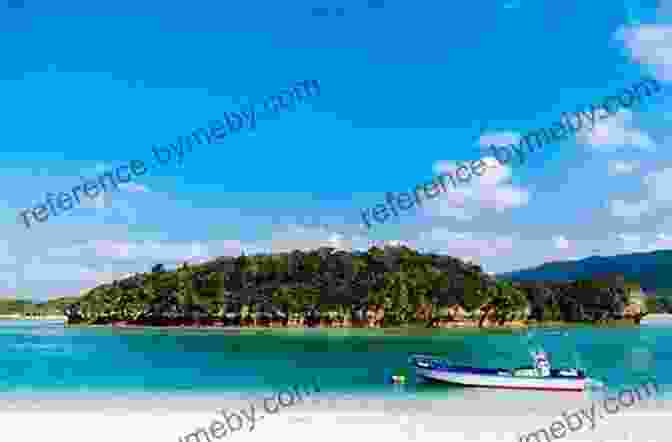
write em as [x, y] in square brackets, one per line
[380, 287]
[651, 270]
[53, 307]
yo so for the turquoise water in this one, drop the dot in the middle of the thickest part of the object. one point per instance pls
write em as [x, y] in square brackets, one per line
[43, 357]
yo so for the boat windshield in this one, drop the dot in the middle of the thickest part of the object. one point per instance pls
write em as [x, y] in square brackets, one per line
[551, 349]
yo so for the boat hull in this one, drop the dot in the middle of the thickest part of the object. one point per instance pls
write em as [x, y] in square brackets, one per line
[467, 379]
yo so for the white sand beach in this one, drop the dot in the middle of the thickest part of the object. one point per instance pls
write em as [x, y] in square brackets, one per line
[479, 416]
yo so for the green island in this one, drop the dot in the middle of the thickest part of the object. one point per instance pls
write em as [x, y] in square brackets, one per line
[26, 309]
[382, 287]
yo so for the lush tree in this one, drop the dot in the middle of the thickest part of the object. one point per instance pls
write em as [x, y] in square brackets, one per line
[323, 282]
[474, 293]
[186, 292]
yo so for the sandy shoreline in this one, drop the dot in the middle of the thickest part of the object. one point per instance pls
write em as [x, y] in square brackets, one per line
[478, 415]
[470, 400]
[463, 402]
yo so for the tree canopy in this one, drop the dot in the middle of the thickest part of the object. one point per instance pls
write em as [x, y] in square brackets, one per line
[397, 281]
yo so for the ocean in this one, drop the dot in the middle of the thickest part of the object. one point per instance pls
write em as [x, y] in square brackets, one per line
[183, 376]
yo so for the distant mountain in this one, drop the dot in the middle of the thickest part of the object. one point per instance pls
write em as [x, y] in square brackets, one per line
[653, 270]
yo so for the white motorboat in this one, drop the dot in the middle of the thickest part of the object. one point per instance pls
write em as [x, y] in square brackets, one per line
[525, 378]
[538, 377]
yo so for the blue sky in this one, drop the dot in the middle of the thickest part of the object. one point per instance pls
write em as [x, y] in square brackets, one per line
[407, 90]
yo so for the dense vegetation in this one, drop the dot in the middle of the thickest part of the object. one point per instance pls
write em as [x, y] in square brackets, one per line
[581, 300]
[398, 284]
[661, 302]
[29, 309]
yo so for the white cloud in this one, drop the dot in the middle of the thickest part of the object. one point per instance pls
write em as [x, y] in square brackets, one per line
[498, 139]
[465, 243]
[662, 241]
[649, 45]
[629, 211]
[618, 167]
[152, 250]
[336, 240]
[102, 201]
[114, 249]
[616, 131]
[63, 272]
[74, 251]
[658, 196]
[295, 237]
[6, 256]
[9, 280]
[631, 241]
[134, 188]
[490, 191]
[224, 247]
[560, 242]
[659, 185]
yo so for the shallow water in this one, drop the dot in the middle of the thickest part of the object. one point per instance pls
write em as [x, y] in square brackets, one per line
[158, 385]
[43, 357]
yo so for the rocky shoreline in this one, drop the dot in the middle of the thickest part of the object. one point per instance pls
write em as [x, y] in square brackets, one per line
[265, 325]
